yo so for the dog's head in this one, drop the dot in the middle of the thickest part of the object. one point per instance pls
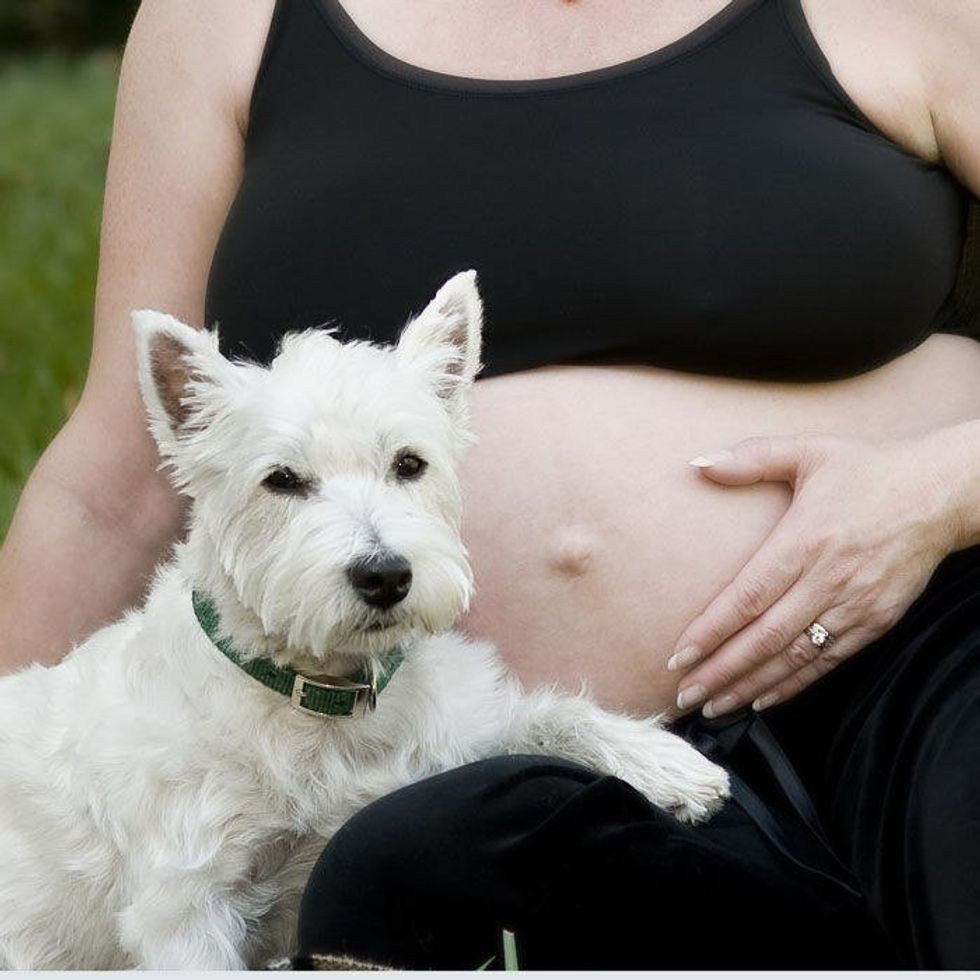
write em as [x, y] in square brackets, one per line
[325, 485]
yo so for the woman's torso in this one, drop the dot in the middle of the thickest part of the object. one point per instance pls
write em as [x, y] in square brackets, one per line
[717, 208]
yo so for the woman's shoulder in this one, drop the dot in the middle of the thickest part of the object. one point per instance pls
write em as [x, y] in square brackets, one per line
[913, 66]
[949, 35]
[202, 51]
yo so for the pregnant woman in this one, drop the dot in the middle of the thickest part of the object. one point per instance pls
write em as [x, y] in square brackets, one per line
[726, 232]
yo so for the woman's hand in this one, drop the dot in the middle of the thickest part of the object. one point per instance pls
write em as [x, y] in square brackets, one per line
[867, 526]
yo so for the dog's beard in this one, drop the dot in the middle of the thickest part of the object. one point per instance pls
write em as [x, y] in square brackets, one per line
[318, 615]
[370, 632]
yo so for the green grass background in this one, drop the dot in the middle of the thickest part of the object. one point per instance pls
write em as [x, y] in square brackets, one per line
[55, 120]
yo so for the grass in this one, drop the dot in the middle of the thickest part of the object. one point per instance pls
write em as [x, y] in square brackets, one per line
[55, 119]
[508, 942]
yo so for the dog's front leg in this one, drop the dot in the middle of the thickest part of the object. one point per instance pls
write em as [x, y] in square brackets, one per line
[185, 925]
[275, 937]
[666, 769]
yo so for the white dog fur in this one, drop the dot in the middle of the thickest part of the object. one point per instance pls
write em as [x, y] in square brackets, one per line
[160, 808]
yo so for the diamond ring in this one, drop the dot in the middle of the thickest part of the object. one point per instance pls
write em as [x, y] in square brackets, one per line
[819, 635]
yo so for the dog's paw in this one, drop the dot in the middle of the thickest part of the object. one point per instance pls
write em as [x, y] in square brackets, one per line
[676, 777]
[703, 794]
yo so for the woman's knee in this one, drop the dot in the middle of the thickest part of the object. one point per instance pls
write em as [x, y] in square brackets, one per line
[466, 801]
[411, 858]
[575, 863]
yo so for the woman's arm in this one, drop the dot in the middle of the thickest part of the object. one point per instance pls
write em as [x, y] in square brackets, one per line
[958, 467]
[96, 515]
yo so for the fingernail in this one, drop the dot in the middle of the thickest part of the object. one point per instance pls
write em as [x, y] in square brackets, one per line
[719, 706]
[711, 458]
[690, 695]
[766, 701]
[684, 658]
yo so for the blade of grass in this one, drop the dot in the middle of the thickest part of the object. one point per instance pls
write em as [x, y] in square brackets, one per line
[510, 951]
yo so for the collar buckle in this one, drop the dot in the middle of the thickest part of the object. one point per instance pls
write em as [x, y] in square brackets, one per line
[352, 692]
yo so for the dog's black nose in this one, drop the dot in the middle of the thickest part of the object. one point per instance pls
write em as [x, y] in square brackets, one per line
[381, 581]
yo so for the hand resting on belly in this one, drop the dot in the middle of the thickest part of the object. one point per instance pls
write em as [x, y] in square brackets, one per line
[594, 543]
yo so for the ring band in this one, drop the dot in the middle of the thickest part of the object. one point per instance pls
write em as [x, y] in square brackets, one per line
[819, 635]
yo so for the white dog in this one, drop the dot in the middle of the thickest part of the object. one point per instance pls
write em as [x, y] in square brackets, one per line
[165, 790]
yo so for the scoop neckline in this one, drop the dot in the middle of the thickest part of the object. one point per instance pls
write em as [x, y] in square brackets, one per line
[387, 64]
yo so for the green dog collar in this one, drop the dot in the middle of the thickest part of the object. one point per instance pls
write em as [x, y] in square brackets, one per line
[337, 696]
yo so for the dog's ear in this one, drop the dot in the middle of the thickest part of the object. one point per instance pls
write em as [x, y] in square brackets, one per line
[444, 339]
[180, 370]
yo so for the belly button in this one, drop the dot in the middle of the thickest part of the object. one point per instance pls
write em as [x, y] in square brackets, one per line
[571, 549]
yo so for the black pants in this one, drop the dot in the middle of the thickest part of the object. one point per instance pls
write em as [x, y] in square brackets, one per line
[587, 874]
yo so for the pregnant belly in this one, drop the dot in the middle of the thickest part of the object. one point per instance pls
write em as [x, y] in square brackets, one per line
[592, 540]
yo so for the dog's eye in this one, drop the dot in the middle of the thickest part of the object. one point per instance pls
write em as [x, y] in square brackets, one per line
[408, 466]
[284, 480]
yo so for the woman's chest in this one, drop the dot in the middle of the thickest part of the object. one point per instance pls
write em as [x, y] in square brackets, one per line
[712, 205]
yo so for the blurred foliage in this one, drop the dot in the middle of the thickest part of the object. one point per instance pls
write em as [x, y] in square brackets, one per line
[55, 120]
[70, 25]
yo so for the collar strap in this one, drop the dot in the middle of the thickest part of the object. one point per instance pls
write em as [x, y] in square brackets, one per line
[337, 696]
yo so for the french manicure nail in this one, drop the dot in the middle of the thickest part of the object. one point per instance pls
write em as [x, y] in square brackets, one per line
[711, 458]
[766, 701]
[719, 706]
[684, 658]
[690, 695]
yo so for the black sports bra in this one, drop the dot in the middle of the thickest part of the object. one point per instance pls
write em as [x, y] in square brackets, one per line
[719, 205]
